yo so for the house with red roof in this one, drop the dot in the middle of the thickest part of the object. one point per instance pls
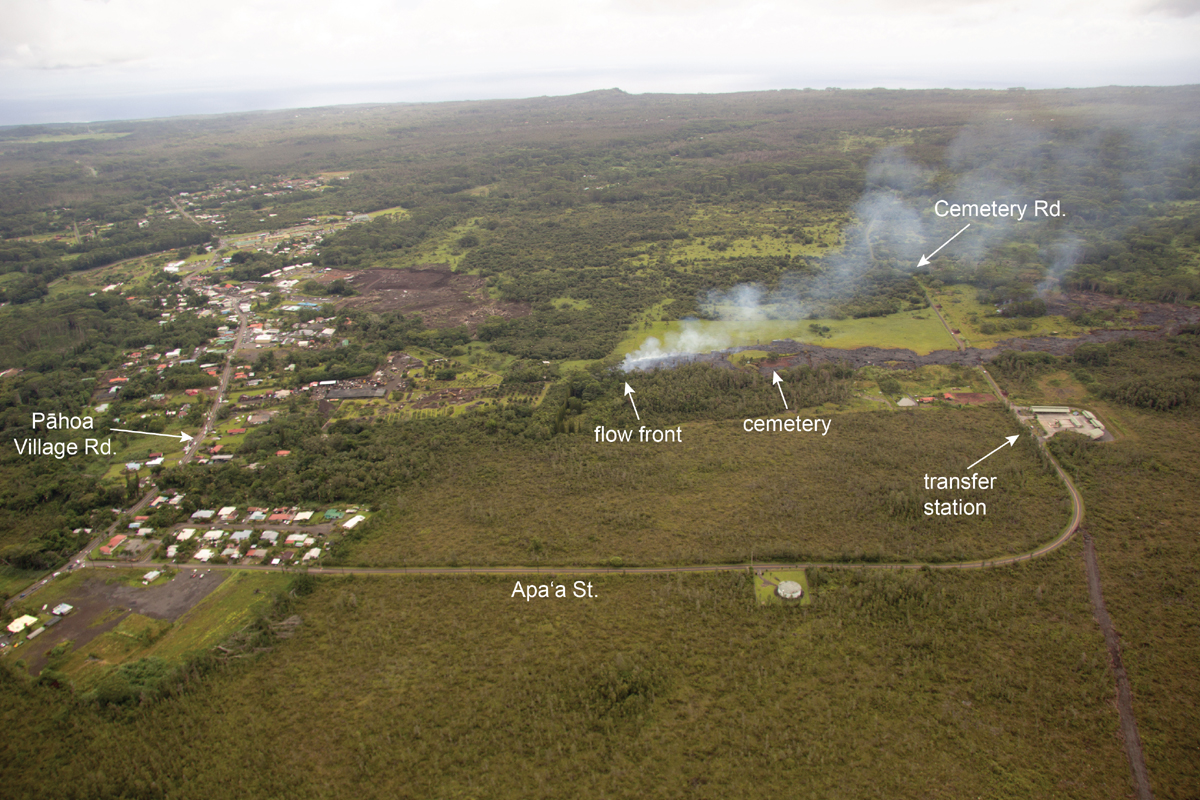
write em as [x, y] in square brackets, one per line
[113, 544]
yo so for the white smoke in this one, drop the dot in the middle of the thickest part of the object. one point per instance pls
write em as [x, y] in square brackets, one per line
[690, 340]
[1064, 254]
[894, 226]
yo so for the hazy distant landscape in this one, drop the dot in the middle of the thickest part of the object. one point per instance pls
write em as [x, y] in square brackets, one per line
[395, 338]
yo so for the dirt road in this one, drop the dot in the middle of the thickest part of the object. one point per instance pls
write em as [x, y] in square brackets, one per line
[1129, 729]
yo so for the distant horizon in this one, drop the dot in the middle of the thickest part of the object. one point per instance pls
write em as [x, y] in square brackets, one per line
[81, 61]
[180, 106]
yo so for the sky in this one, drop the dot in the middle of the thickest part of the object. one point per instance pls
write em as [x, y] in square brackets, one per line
[92, 60]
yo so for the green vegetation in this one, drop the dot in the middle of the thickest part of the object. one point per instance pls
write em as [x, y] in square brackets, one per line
[569, 245]
[230, 607]
[979, 324]
[991, 683]
[921, 333]
[1142, 506]
[724, 495]
[766, 581]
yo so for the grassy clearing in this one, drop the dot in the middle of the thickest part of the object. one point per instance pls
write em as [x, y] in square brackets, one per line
[394, 211]
[723, 495]
[53, 592]
[965, 313]
[123, 272]
[745, 356]
[766, 581]
[480, 355]
[857, 141]
[229, 607]
[713, 248]
[1059, 388]
[935, 380]
[718, 233]
[128, 641]
[443, 249]
[919, 331]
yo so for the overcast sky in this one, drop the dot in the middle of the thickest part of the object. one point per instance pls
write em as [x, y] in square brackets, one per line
[87, 60]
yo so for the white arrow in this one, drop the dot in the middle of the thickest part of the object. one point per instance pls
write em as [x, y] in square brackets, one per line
[925, 260]
[629, 394]
[775, 381]
[183, 437]
[1011, 441]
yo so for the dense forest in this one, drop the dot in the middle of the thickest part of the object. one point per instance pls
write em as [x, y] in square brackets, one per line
[590, 221]
[601, 213]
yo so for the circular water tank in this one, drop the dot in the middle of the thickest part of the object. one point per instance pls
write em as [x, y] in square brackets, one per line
[789, 590]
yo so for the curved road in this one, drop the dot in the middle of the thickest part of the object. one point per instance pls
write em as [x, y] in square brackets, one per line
[80, 560]
[1068, 531]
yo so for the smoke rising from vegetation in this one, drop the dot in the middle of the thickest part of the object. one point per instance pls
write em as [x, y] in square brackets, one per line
[1102, 178]
[889, 229]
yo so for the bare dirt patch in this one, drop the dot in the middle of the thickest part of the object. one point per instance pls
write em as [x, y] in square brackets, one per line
[442, 298]
[969, 398]
[1167, 315]
[447, 397]
[1154, 321]
[97, 601]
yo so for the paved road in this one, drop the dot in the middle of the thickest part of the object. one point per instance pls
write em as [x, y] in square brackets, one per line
[184, 211]
[80, 559]
[210, 419]
[1065, 536]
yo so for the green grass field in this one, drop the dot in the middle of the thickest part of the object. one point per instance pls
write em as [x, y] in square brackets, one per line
[965, 313]
[919, 331]
[571, 303]
[52, 593]
[229, 607]
[85, 666]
